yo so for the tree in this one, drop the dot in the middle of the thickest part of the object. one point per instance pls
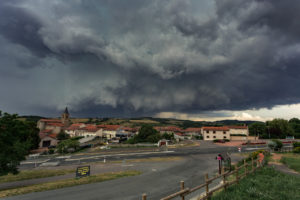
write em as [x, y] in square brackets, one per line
[17, 138]
[65, 145]
[279, 128]
[62, 135]
[295, 125]
[145, 132]
[258, 128]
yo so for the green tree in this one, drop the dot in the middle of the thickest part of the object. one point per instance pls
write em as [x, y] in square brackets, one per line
[145, 132]
[62, 135]
[258, 128]
[279, 128]
[17, 138]
[65, 145]
[295, 125]
[168, 136]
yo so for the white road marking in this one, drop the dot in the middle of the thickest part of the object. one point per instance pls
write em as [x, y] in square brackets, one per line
[117, 155]
[33, 162]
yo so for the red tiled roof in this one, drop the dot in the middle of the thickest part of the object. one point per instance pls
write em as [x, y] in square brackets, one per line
[167, 128]
[46, 131]
[214, 128]
[238, 127]
[109, 127]
[55, 124]
[53, 135]
[192, 130]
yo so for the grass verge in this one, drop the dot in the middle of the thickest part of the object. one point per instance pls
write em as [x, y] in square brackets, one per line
[32, 174]
[292, 161]
[67, 183]
[266, 183]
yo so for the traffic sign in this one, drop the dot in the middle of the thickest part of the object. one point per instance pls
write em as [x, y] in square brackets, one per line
[83, 171]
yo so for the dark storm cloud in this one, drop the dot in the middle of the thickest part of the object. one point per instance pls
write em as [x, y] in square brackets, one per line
[21, 27]
[139, 58]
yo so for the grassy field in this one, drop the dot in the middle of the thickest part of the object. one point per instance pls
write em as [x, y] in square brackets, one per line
[265, 184]
[67, 183]
[32, 174]
[292, 161]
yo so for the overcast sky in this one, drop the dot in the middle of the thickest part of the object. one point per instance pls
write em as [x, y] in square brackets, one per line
[188, 59]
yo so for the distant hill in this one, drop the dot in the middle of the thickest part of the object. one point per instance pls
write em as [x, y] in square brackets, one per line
[32, 118]
[139, 121]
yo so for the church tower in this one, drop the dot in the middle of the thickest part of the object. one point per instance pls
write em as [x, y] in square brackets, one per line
[65, 117]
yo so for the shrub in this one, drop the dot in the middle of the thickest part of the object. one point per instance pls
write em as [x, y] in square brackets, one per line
[296, 144]
[296, 150]
[275, 144]
[51, 151]
[199, 137]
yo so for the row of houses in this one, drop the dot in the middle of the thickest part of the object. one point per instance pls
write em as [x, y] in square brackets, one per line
[50, 128]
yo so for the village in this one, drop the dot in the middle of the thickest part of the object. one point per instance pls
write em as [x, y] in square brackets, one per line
[50, 128]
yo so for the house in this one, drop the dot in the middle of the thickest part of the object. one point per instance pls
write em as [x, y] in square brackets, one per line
[56, 125]
[72, 130]
[90, 130]
[215, 133]
[193, 132]
[47, 139]
[110, 131]
[239, 130]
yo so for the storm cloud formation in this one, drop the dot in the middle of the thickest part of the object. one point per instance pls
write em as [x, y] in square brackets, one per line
[134, 58]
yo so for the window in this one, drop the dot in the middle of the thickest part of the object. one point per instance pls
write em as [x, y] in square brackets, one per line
[214, 131]
[224, 132]
[224, 137]
[207, 136]
[214, 136]
[207, 131]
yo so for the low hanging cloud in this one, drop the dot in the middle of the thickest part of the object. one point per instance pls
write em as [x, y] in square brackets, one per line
[141, 58]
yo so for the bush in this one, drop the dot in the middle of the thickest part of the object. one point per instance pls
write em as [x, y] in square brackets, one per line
[296, 150]
[65, 145]
[275, 144]
[296, 144]
[51, 151]
[199, 137]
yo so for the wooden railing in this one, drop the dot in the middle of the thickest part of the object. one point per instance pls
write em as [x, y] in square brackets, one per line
[238, 173]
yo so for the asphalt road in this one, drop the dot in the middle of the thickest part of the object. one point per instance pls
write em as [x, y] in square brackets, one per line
[158, 179]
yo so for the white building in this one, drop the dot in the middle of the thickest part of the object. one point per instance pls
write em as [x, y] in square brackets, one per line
[215, 133]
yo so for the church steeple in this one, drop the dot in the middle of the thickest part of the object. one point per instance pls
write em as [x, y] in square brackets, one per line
[65, 117]
[66, 111]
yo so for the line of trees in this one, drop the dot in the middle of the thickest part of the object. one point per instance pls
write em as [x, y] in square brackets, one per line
[277, 128]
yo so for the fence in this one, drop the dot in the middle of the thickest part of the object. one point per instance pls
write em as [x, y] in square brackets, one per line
[238, 173]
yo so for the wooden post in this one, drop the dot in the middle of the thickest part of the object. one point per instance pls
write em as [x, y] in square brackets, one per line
[245, 166]
[206, 186]
[144, 197]
[236, 174]
[257, 164]
[224, 178]
[182, 188]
